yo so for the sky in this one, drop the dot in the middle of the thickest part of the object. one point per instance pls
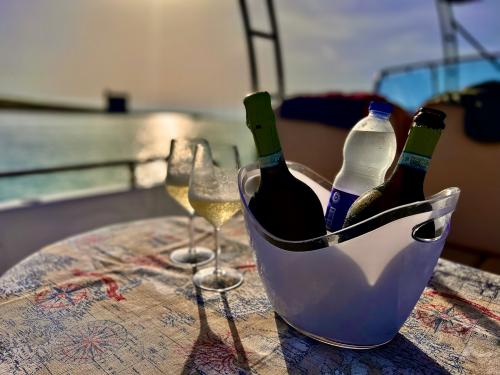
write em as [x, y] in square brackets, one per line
[191, 54]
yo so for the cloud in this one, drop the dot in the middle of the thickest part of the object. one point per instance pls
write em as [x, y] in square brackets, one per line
[341, 45]
[192, 54]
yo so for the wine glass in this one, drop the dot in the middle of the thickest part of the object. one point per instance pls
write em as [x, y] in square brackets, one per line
[179, 167]
[213, 193]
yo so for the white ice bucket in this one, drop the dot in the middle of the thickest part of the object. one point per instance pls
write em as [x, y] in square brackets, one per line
[356, 293]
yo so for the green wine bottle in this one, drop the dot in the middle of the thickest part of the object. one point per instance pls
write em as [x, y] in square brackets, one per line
[285, 206]
[406, 183]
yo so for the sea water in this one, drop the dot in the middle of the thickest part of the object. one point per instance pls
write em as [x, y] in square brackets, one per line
[31, 140]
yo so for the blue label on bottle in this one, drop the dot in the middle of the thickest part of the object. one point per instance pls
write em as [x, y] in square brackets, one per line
[339, 204]
[414, 161]
[270, 160]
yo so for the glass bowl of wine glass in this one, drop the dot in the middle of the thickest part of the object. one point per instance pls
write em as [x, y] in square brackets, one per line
[213, 193]
[179, 167]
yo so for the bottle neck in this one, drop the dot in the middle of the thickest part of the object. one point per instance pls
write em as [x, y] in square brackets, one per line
[268, 145]
[262, 123]
[419, 147]
[267, 142]
[275, 171]
[414, 160]
[271, 160]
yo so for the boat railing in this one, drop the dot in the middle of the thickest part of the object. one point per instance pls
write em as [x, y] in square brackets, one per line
[130, 164]
[410, 85]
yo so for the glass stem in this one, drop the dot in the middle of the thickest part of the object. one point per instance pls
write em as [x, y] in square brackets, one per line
[217, 250]
[191, 236]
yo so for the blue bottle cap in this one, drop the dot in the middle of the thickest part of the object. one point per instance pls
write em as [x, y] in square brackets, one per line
[380, 107]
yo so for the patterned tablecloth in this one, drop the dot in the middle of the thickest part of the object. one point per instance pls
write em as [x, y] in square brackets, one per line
[109, 302]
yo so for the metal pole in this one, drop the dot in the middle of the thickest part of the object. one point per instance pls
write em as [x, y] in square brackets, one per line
[251, 51]
[378, 81]
[475, 43]
[277, 50]
[434, 79]
[133, 179]
[450, 44]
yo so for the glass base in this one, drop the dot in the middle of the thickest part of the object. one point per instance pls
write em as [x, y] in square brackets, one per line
[182, 257]
[333, 342]
[225, 279]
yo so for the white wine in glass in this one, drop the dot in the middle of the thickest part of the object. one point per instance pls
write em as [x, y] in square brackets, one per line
[180, 195]
[216, 212]
[177, 185]
[213, 192]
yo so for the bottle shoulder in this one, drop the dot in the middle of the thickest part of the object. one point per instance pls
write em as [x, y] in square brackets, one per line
[288, 209]
[367, 205]
[285, 184]
[373, 124]
[392, 193]
[287, 190]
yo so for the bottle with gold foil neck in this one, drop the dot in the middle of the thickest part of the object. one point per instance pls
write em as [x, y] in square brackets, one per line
[285, 206]
[406, 184]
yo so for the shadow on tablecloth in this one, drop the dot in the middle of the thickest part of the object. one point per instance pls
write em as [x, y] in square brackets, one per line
[304, 355]
[209, 344]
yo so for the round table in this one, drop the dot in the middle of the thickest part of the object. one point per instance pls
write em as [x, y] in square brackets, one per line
[109, 302]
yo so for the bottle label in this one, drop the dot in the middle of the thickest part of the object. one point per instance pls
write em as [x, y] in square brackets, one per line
[270, 160]
[415, 161]
[339, 204]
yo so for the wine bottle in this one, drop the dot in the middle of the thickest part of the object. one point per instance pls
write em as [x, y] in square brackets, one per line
[406, 183]
[285, 206]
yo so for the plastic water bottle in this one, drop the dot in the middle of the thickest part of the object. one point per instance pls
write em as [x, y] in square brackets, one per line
[369, 151]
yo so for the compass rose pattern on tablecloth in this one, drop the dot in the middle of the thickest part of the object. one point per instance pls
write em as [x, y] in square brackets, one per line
[91, 342]
[444, 318]
[62, 296]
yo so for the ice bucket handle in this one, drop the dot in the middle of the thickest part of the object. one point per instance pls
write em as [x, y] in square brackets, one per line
[443, 205]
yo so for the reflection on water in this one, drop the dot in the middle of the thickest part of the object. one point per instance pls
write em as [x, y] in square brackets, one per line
[154, 134]
[34, 140]
[150, 174]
